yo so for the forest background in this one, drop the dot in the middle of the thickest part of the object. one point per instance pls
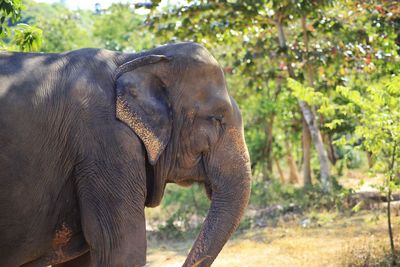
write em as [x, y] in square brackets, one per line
[317, 82]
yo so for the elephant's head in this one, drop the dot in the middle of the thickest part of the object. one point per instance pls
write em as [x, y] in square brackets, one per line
[175, 99]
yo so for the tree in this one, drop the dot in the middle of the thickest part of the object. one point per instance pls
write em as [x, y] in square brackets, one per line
[116, 28]
[120, 28]
[379, 130]
[223, 21]
[63, 29]
[23, 37]
[284, 9]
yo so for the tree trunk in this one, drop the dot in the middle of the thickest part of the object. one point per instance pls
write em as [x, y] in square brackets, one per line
[309, 74]
[268, 146]
[294, 176]
[370, 160]
[327, 139]
[388, 213]
[282, 177]
[307, 112]
[319, 145]
[330, 149]
[267, 152]
[312, 120]
[306, 155]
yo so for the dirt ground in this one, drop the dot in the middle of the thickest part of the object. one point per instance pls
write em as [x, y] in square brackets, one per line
[326, 242]
[327, 239]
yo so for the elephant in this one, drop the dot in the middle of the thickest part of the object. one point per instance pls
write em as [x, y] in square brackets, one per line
[89, 138]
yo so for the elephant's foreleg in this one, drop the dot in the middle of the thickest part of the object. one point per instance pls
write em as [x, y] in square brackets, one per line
[112, 193]
[81, 261]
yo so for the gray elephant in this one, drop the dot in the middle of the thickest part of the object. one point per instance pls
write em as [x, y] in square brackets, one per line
[88, 138]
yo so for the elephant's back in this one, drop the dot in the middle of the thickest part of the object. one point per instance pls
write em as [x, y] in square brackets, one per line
[25, 81]
[45, 101]
[33, 133]
[24, 77]
[33, 129]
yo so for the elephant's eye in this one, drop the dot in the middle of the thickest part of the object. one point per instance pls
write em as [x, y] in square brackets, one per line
[217, 119]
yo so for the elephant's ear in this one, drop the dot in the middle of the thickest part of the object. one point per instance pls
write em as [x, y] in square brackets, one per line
[142, 103]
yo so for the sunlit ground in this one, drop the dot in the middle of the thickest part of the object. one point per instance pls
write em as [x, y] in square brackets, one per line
[332, 239]
[329, 242]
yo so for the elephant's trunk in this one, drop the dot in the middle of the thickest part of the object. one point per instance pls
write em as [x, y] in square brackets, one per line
[230, 195]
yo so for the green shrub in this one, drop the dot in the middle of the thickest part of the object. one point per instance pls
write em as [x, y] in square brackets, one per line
[184, 208]
[273, 192]
[169, 230]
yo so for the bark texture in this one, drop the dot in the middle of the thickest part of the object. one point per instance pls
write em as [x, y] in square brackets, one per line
[306, 155]
[308, 113]
[294, 176]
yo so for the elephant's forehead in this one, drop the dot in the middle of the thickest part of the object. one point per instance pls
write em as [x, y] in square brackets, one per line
[203, 55]
[191, 50]
[204, 77]
[206, 87]
[214, 96]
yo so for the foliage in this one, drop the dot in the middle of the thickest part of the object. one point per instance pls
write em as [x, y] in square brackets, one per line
[244, 37]
[116, 28]
[186, 208]
[28, 38]
[169, 230]
[379, 129]
[24, 37]
[9, 9]
[125, 36]
[63, 29]
[379, 122]
[313, 197]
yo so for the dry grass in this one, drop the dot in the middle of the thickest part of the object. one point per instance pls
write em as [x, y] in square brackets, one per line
[333, 243]
[370, 251]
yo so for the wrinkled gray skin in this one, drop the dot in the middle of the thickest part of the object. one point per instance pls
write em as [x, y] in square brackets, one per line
[90, 137]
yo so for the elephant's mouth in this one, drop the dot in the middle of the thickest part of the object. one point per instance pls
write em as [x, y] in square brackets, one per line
[206, 184]
[185, 183]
